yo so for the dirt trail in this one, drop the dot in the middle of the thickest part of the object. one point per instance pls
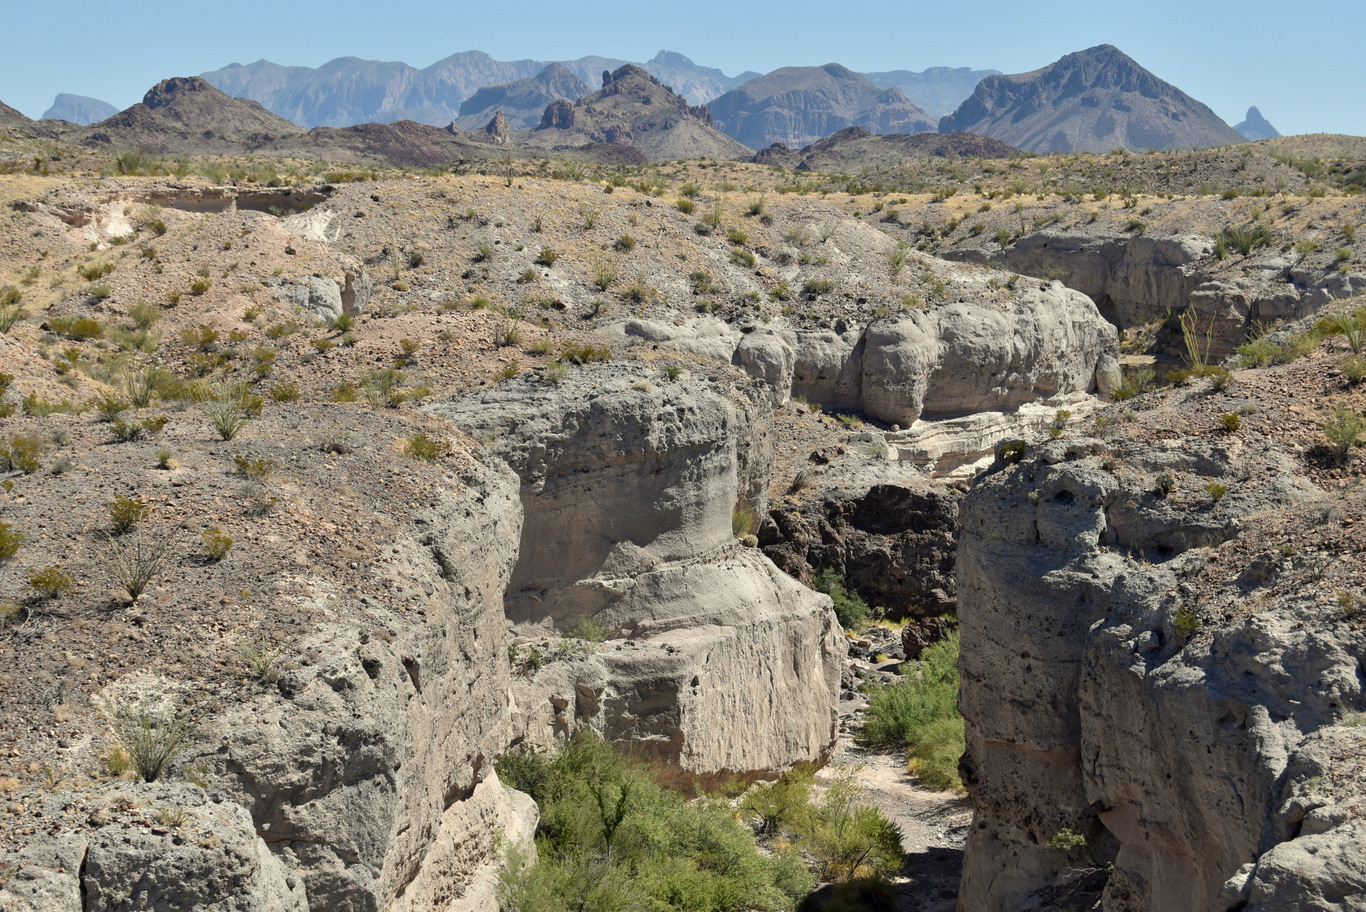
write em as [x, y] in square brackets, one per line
[934, 825]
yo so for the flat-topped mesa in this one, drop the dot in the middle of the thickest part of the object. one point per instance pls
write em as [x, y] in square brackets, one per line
[715, 662]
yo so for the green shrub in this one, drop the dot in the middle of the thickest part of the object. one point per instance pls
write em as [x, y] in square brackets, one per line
[285, 392]
[217, 543]
[1133, 381]
[255, 469]
[1353, 367]
[547, 257]
[851, 610]
[585, 353]
[343, 323]
[152, 731]
[1350, 325]
[50, 582]
[126, 512]
[226, 408]
[848, 838]
[20, 453]
[1261, 352]
[742, 258]
[813, 288]
[686, 205]
[11, 308]
[920, 713]
[604, 271]
[422, 447]
[133, 564]
[10, 541]
[1230, 422]
[638, 292]
[610, 838]
[1185, 623]
[1249, 238]
[1342, 430]
[624, 244]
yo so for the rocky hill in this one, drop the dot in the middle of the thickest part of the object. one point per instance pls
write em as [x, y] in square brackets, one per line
[188, 114]
[799, 105]
[79, 109]
[1093, 101]
[939, 90]
[855, 149]
[10, 118]
[522, 102]
[634, 109]
[1254, 126]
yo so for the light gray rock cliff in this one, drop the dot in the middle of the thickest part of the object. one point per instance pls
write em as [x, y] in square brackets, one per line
[1096, 704]
[960, 358]
[715, 661]
[351, 772]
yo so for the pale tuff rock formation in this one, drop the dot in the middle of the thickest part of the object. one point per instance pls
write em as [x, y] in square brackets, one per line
[1015, 362]
[351, 772]
[1136, 279]
[1097, 706]
[715, 661]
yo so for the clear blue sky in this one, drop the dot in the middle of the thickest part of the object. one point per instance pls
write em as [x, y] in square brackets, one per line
[1301, 63]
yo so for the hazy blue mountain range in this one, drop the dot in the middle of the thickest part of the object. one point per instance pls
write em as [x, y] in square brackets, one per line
[350, 90]
[524, 101]
[939, 90]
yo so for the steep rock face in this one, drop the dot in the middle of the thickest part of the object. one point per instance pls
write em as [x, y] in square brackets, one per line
[351, 772]
[963, 358]
[715, 662]
[212, 860]
[799, 105]
[1050, 347]
[1140, 279]
[883, 526]
[1125, 681]
[1090, 101]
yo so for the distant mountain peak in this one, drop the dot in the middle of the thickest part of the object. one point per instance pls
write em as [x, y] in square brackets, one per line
[79, 109]
[1092, 100]
[1255, 126]
[673, 59]
[799, 105]
[633, 108]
